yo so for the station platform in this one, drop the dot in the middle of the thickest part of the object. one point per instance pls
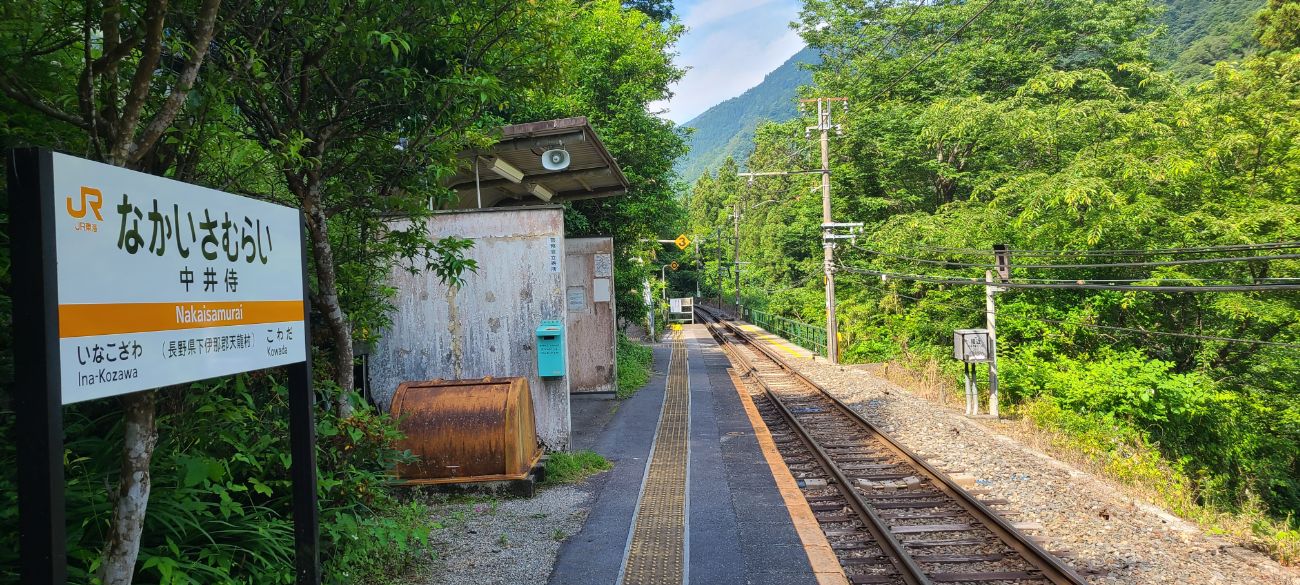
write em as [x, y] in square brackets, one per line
[779, 343]
[698, 492]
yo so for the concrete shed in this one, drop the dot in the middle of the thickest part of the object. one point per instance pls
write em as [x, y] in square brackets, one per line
[589, 294]
[487, 326]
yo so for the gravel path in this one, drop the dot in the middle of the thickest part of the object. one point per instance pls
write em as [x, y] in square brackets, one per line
[1110, 537]
[503, 541]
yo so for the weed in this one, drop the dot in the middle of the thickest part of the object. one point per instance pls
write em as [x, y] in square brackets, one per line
[634, 362]
[574, 467]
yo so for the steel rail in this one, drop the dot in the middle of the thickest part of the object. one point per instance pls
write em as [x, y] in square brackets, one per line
[908, 571]
[1052, 568]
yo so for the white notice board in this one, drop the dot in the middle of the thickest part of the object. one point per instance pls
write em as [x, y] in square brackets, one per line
[162, 282]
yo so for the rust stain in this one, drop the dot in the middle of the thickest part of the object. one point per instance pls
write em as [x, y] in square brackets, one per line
[466, 429]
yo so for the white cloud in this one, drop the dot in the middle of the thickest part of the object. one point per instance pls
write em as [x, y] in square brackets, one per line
[729, 48]
[711, 11]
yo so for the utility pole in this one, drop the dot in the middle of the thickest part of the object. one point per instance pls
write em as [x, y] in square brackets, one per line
[990, 313]
[698, 265]
[1003, 254]
[663, 277]
[735, 257]
[649, 310]
[824, 125]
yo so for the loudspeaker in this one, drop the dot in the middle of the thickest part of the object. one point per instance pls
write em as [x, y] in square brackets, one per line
[556, 159]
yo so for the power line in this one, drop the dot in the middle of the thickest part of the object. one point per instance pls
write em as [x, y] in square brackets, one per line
[1127, 329]
[1075, 286]
[884, 46]
[1188, 261]
[933, 51]
[1158, 279]
[1128, 252]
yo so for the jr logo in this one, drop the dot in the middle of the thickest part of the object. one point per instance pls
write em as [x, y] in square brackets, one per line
[90, 197]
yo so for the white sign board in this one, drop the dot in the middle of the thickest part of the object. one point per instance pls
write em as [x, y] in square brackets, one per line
[577, 298]
[553, 254]
[675, 305]
[600, 290]
[162, 282]
[971, 345]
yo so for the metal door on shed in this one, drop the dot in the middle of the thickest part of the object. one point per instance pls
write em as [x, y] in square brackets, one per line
[589, 296]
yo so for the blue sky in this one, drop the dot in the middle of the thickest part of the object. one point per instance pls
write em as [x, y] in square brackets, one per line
[729, 46]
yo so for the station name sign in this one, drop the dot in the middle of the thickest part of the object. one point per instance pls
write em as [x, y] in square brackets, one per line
[161, 282]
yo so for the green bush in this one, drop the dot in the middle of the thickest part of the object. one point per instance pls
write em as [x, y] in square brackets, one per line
[574, 467]
[634, 362]
[220, 510]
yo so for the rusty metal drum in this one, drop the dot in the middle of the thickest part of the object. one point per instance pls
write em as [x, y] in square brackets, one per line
[465, 431]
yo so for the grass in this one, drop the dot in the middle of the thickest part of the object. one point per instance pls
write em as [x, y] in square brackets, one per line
[574, 467]
[1119, 453]
[634, 362]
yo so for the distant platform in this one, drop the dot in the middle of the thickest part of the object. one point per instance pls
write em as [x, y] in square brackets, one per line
[781, 344]
[698, 492]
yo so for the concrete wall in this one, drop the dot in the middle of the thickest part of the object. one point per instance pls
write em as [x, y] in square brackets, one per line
[487, 326]
[589, 295]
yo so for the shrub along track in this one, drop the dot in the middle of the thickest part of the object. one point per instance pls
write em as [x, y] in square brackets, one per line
[901, 521]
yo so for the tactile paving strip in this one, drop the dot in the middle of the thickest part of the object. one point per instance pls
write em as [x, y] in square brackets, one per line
[656, 555]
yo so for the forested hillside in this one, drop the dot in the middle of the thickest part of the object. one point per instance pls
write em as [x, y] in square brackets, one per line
[1201, 33]
[1051, 128]
[727, 129]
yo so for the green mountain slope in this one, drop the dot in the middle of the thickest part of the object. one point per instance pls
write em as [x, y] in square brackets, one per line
[1200, 33]
[727, 129]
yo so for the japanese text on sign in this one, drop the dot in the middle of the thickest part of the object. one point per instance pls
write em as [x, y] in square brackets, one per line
[162, 282]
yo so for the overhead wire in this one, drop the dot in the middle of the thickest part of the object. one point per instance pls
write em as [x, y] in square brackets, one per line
[884, 46]
[1189, 261]
[1074, 286]
[1122, 252]
[1117, 328]
[932, 52]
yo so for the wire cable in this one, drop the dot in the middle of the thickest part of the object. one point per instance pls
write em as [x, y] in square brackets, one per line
[884, 46]
[933, 52]
[1186, 262]
[1068, 286]
[1115, 328]
[1129, 252]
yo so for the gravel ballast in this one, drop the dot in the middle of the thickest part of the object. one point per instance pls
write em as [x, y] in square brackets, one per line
[1108, 536]
[503, 541]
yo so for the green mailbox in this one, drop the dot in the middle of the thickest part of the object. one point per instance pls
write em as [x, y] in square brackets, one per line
[550, 349]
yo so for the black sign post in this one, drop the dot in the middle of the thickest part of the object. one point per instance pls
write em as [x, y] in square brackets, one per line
[302, 435]
[38, 392]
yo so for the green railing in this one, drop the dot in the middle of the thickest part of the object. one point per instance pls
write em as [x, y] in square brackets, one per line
[809, 337]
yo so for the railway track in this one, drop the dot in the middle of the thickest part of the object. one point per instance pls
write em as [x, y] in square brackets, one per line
[889, 516]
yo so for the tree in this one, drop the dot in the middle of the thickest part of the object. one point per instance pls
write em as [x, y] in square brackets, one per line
[1279, 25]
[620, 62]
[131, 84]
[363, 105]
[657, 10]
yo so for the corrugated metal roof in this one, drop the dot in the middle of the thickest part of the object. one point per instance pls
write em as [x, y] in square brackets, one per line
[592, 171]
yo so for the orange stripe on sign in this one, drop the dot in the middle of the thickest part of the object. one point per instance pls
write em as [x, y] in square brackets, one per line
[117, 318]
